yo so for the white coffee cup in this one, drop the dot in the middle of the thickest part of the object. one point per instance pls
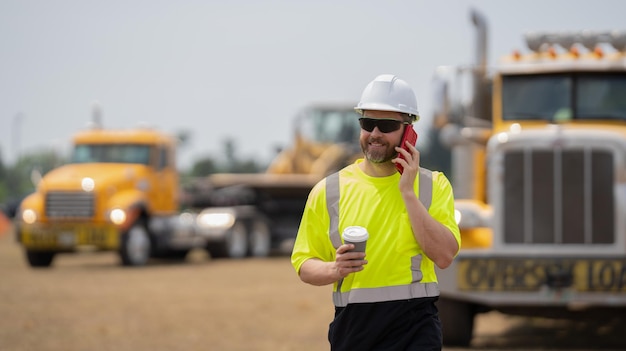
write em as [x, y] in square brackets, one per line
[357, 236]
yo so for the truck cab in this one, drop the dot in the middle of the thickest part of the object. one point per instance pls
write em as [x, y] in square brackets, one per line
[119, 192]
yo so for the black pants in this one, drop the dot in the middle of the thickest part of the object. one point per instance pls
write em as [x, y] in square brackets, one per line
[394, 325]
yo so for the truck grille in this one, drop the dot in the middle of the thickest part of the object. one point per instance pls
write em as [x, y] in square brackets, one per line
[69, 205]
[559, 196]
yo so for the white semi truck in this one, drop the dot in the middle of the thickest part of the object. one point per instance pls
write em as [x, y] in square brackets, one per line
[539, 172]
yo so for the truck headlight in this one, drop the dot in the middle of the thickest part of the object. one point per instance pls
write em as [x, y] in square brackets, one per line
[29, 216]
[215, 219]
[117, 216]
[87, 184]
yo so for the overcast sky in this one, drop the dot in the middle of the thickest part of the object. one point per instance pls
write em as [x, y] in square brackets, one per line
[238, 69]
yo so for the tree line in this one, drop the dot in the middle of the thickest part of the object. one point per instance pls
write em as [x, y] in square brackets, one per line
[17, 180]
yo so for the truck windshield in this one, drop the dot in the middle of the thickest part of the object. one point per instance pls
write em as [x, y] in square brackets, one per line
[564, 97]
[111, 153]
[331, 125]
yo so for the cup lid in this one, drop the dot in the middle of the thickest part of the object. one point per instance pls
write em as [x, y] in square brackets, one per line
[355, 233]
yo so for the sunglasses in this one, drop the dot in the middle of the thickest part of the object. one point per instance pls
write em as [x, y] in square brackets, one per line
[384, 125]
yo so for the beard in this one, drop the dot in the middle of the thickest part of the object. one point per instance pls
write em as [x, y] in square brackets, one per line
[379, 155]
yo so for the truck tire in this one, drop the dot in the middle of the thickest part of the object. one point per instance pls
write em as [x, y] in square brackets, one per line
[457, 319]
[233, 245]
[39, 259]
[259, 239]
[135, 247]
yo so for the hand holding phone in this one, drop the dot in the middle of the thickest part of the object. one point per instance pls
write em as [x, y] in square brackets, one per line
[409, 135]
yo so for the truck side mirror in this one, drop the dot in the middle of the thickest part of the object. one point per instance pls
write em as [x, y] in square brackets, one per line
[35, 177]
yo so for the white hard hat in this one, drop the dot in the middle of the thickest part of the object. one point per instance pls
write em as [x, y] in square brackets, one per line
[387, 92]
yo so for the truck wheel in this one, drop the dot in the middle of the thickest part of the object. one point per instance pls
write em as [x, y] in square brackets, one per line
[233, 245]
[40, 259]
[135, 247]
[457, 319]
[260, 239]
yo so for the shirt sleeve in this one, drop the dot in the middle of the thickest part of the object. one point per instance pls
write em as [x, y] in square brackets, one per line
[312, 240]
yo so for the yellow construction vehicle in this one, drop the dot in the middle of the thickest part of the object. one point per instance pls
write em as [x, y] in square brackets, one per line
[539, 172]
[254, 214]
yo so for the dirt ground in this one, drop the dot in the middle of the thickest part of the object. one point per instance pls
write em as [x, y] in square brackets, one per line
[88, 302]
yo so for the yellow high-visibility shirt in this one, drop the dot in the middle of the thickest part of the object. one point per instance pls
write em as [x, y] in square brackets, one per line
[394, 256]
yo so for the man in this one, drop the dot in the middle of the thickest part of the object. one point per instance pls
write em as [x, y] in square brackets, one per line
[386, 302]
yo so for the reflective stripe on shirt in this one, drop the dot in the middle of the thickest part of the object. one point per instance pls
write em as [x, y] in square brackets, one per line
[389, 293]
[386, 293]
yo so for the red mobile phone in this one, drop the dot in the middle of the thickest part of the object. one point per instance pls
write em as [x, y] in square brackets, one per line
[409, 135]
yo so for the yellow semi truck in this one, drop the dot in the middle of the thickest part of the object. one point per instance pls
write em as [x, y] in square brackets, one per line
[539, 172]
[118, 192]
